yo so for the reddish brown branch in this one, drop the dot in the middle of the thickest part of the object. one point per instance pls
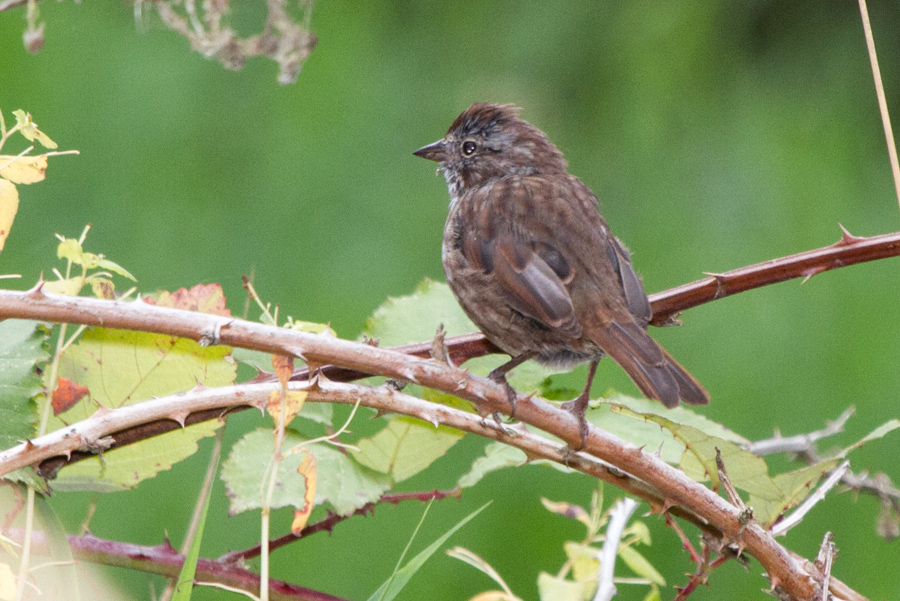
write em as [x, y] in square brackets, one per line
[166, 561]
[328, 523]
[849, 250]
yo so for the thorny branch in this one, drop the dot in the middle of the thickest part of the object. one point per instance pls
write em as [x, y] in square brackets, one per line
[652, 477]
[164, 560]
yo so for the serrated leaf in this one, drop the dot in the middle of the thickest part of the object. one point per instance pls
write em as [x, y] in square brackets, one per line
[795, 486]
[122, 368]
[639, 565]
[21, 352]
[23, 169]
[414, 318]
[681, 414]
[745, 470]
[405, 447]
[9, 206]
[343, 483]
[496, 456]
[126, 467]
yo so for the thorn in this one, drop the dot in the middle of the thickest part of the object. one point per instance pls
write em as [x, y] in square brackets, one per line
[846, 237]
[37, 291]
[721, 280]
[811, 272]
[180, 416]
[29, 446]
[667, 504]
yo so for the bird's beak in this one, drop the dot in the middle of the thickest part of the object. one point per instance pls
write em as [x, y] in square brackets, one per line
[433, 152]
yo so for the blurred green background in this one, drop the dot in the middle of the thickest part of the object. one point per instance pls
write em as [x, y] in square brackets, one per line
[716, 134]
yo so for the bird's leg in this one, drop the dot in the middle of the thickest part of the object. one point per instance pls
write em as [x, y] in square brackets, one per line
[578, 405]
[498, 375]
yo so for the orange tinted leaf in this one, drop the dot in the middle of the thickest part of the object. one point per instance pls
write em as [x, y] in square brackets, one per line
[67, 393]
[24, 169]
[202, 298]
[307, 469]
[9, 206]
[284, 368]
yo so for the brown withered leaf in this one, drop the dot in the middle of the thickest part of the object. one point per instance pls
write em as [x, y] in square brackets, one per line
[284, 368]
[65, 396]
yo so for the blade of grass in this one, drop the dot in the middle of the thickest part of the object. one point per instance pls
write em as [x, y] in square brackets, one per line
[398, 580]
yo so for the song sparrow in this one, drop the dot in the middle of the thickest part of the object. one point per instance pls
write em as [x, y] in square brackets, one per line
[533, 263]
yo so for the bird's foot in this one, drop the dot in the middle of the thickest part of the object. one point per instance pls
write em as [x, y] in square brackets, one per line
[500, 378]
[578, 407]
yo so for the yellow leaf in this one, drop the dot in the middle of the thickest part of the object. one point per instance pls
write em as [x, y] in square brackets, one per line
[30, 129]
[293, 403]
[70, 249]
[308, 470]
[23, 170]
[9, 206]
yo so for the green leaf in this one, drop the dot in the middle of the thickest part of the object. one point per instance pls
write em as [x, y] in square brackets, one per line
[22, 349]
[122, 368]
[343, 483]
[405, 447]
[392, 587]
[414, 318]
[745, 470]
[639, 565]
[126, 467]
[115, 268]
[795, 486]
[496, 456]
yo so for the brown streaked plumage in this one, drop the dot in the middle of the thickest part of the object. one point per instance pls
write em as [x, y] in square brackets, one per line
[533, 263]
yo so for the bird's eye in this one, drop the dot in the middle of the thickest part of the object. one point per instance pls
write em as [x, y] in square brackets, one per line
[469, 147]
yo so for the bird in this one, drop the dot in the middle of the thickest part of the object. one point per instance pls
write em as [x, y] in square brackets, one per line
[532, 261]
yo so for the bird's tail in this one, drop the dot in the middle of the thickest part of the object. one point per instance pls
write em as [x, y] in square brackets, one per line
[648, 364]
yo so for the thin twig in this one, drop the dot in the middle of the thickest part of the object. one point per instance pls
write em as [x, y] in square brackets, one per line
[328, 523]
[882, 101]
[800, 443]
[798, 514]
